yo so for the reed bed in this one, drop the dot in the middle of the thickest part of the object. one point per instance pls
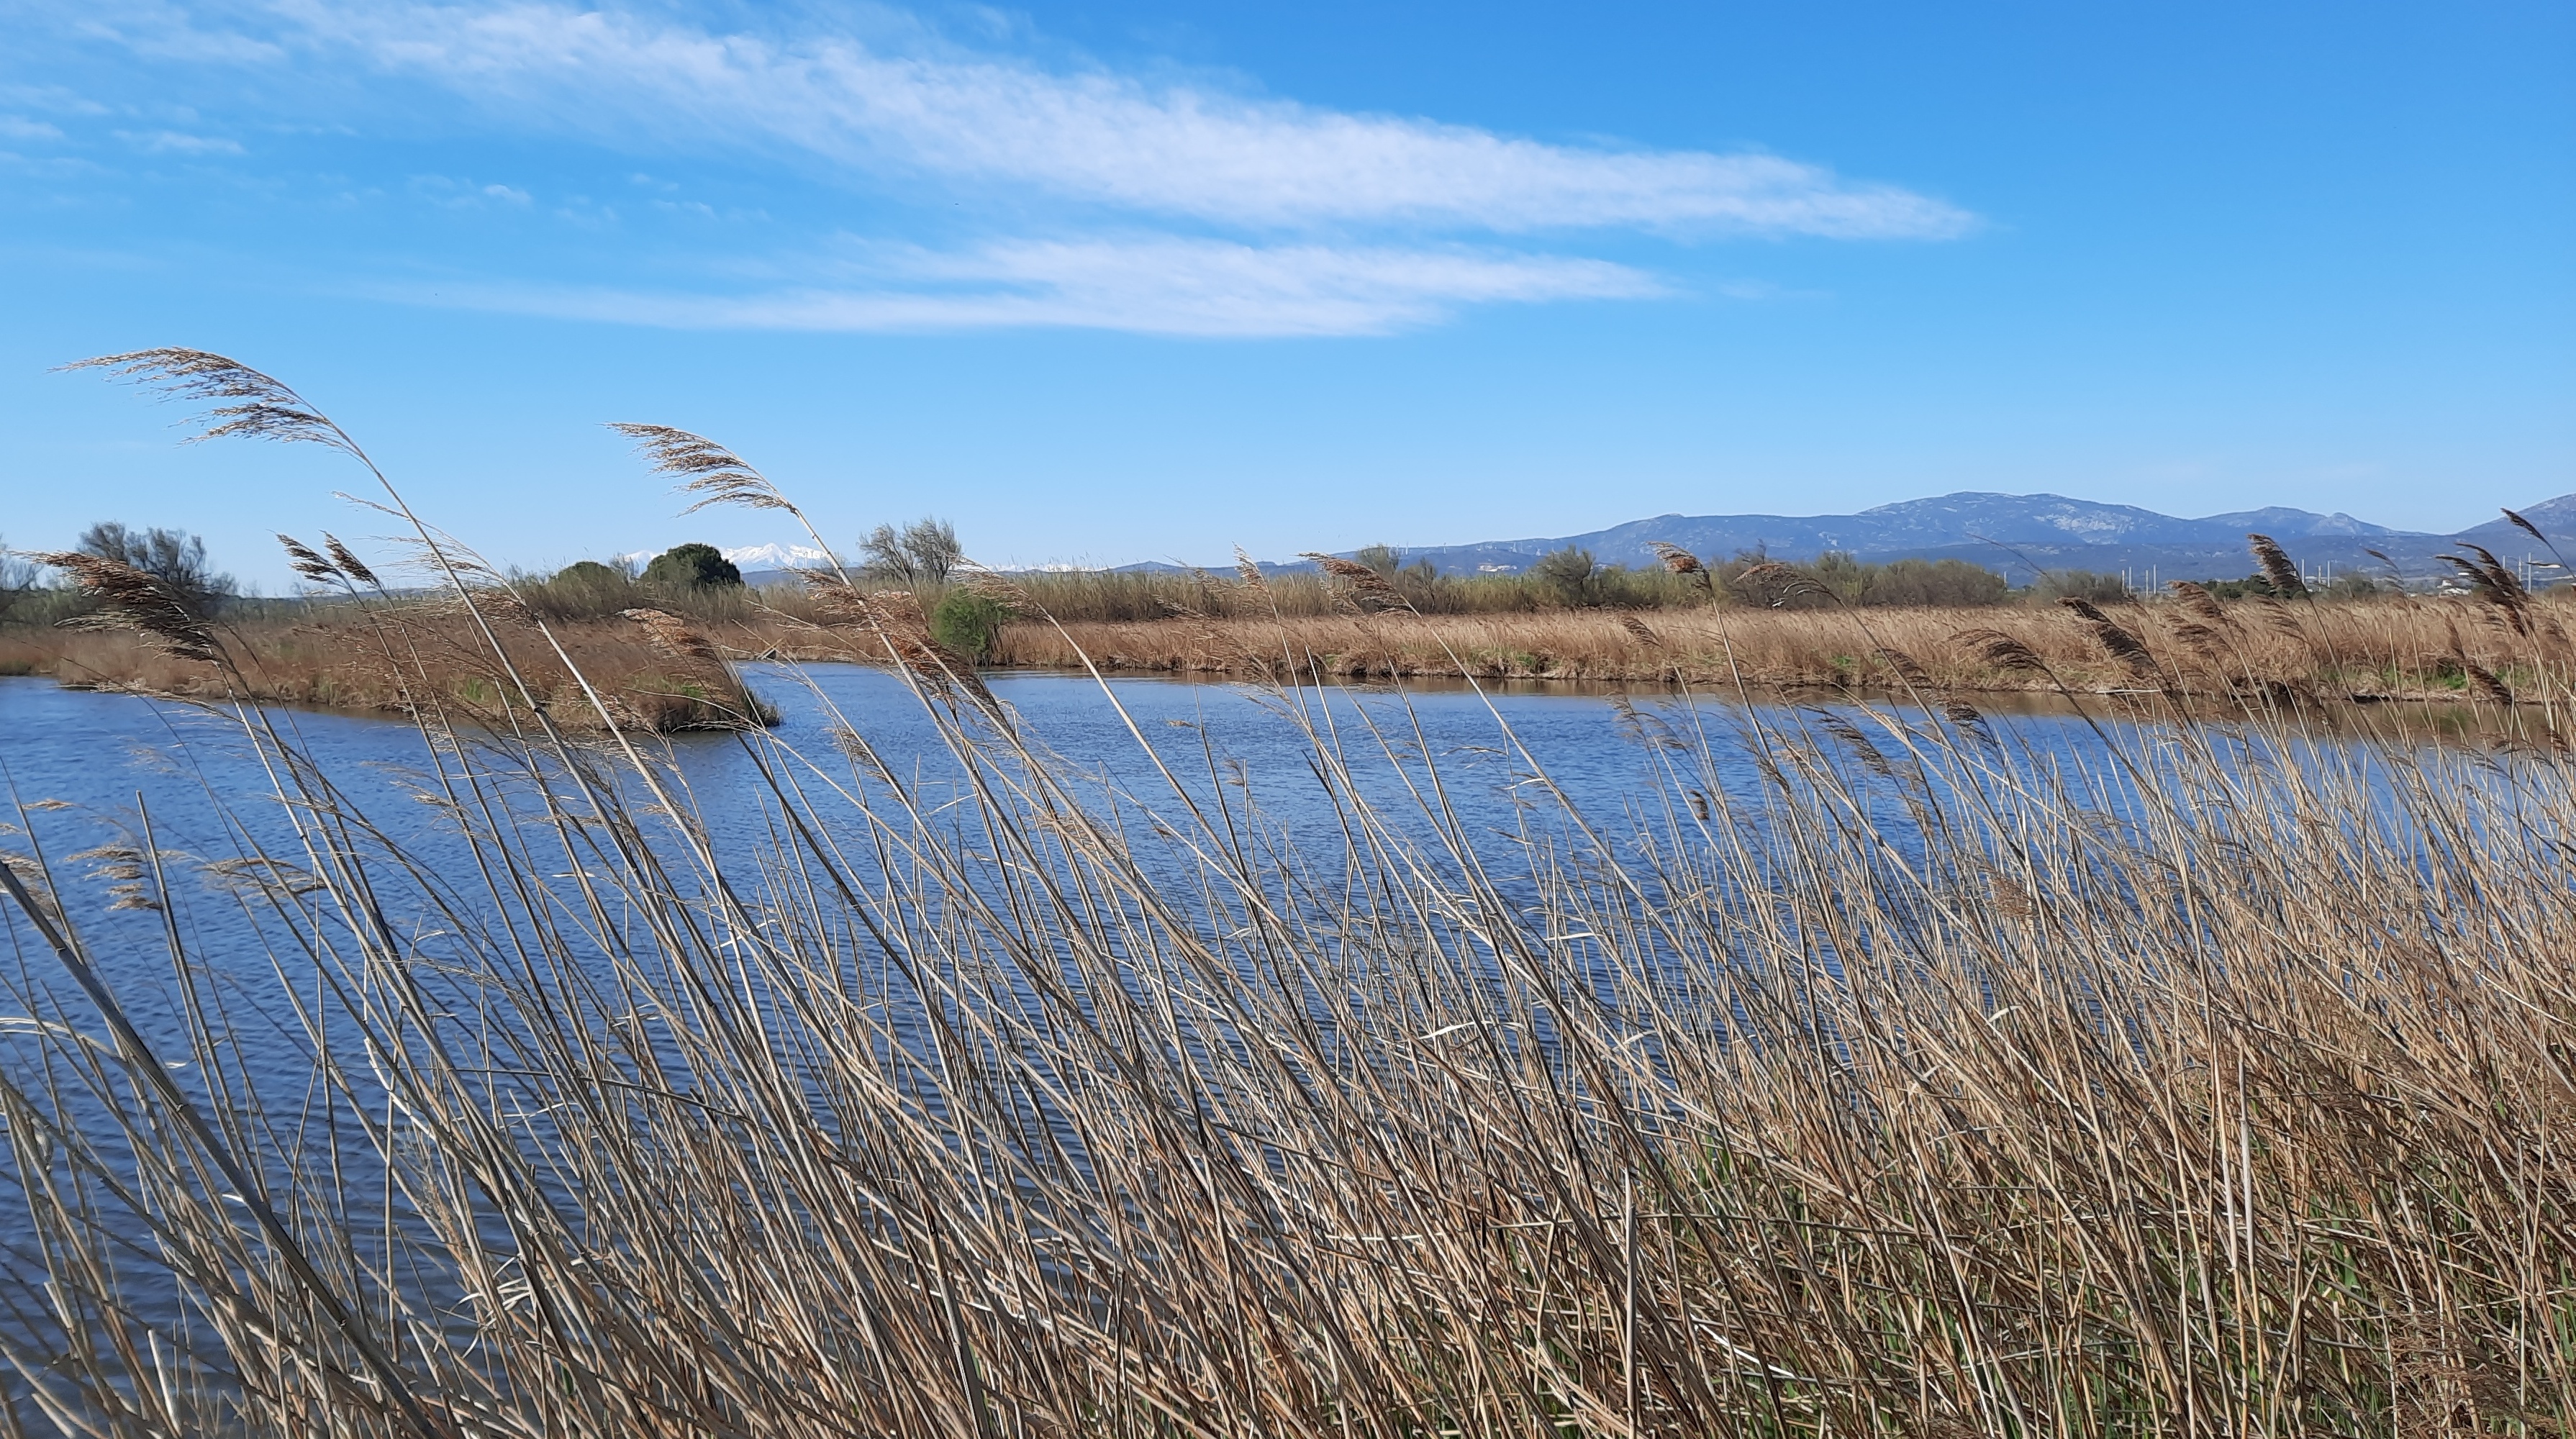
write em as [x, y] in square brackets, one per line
[2387, 648]
[404, 657]
[2409, 647]
[1868, 1074]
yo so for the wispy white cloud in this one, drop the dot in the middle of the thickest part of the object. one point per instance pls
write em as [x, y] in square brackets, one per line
[1087, 134]
[1185, 206]
[178, 142]
[1156, 286]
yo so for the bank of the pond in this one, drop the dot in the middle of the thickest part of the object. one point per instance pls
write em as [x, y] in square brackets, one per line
[402, 659]
[661, 671]
[2399, 648]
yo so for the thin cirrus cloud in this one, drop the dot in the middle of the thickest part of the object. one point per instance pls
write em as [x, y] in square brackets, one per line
[1097, 136]
[1326, 221]
[1154, 285]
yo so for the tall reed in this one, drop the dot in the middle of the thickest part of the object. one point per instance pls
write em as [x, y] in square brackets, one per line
[1870, 1073]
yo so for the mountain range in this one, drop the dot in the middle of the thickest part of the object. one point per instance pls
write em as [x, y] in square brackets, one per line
[2021, 535]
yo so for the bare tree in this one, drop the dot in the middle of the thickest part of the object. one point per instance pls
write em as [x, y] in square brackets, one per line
[923, 552]
[883, 549]
[17, 579]
[174, 557]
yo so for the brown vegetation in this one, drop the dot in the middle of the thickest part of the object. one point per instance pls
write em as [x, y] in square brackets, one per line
[408, 658]
[2390, 648]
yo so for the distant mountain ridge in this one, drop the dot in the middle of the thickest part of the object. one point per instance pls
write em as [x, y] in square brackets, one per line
[2020, 535]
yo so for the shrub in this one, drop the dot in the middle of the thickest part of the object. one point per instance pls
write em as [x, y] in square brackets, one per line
[968, 623]
[691, 566]
[1955, 583]
[2081, 585]
[1569, 574]
[585, 589]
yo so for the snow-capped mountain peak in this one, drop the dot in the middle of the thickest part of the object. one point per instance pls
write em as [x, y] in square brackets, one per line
[774, 557]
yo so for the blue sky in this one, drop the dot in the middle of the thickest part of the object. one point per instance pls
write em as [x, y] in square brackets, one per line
[1110, 282]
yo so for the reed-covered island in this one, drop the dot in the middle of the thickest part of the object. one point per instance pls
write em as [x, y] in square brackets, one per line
[1873, 1072]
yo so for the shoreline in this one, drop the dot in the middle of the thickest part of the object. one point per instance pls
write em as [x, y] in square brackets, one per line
[677, 676]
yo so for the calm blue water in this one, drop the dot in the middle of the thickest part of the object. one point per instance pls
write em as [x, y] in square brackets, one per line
[89, 767]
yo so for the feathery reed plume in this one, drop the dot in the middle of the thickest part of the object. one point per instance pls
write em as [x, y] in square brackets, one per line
[2500, 577]
[2527, 527]
[1682, 562]
[349, 562]
[2001, 650]
[1676, 559]
[301, 558]
[1639, 628]
[133, 599]
[1783, 582]
[1367, 587]
[1906, 668]
[1250, 571]
[265, 407]
[2116, 641]
[708, 470]
[2278, 571]
[2203, 640]
[1962, 712]
[2200, 602]
[2495, 583]
[1871, 756]
[2486, 680]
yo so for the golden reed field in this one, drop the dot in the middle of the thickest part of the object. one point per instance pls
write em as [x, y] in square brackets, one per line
[2396, 647]
[386, 654]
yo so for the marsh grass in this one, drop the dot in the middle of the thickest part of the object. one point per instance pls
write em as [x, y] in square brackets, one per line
[2413, 647]
[406, 656]
[2389, 648]
[1925, 1085]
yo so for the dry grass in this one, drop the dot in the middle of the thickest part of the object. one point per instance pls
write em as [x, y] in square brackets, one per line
[2445, 648]
[1865, 1075]
[405, 658]
[2387, 648]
